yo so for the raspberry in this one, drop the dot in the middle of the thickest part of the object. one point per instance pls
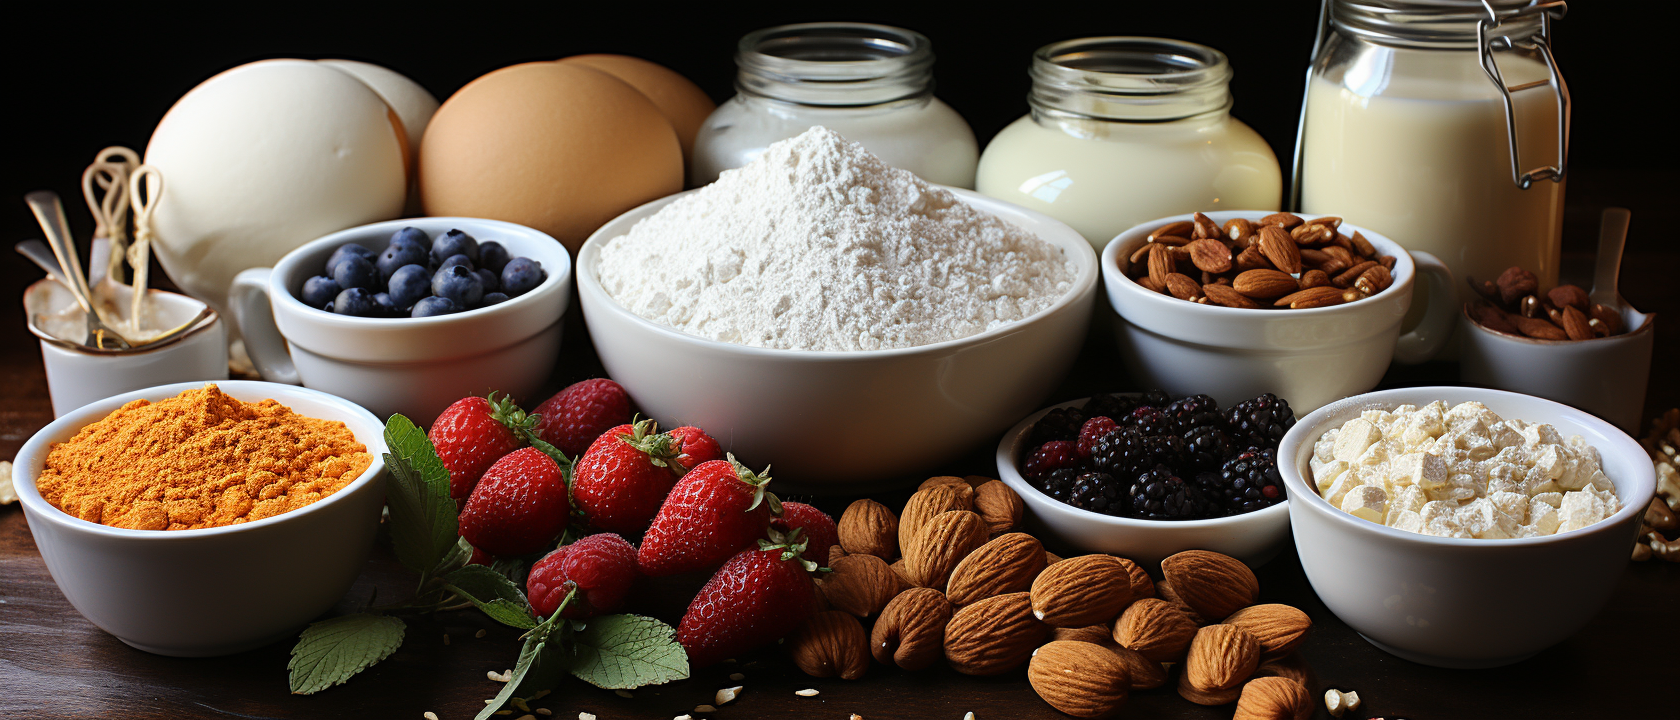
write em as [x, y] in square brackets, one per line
[1092, 429]
[600, 567]
[1053, 455]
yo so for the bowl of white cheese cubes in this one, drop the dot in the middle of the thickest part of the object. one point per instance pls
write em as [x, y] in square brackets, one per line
[1462, 527]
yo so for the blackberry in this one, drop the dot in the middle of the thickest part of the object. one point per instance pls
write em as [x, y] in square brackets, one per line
[1150, 421]
[1057, 484]
[1058, 424]
[1098, 492]
[1248, 482]
[1206, 448]
[1210, 485]
[1124, 453]
[1260, 422]
[1160, 495]
[1113, 407]
[1193, 412]
[1156, 398]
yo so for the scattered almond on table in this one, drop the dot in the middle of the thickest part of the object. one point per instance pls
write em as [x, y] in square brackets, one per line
[1279, 261]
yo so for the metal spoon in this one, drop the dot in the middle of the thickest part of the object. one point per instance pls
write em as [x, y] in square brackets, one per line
[1612, 237]
[49, 212]
[38, 252]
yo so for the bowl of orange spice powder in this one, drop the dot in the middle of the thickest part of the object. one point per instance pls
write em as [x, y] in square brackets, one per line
[203, 519]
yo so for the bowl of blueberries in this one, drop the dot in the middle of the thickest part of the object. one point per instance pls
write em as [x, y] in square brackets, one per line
[409, 315]
[1144, 476]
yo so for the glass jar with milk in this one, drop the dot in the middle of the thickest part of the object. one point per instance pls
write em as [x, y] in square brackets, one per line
[1442, 124]
[873, 84]
[1126, 129]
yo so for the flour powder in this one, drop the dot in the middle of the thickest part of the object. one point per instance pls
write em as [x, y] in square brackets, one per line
[818, 245]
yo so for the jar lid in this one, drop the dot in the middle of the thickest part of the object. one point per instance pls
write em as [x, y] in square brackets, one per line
[835, 64]
[1132, 78]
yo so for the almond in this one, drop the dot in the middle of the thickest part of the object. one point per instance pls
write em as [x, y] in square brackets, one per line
[911, 630]
[829, 644]
[1289, 666]
[1164, 590]
[1279, 628]
[1274, 698]
[1181, 228]
[927, 503]
[1051, 558]
[1079, 679]
[1374, 280]
[1314, 278]
[1237, 229]
[1006, 564]
[942, 481]
[1514, 283]
[1386, 261]
[1345, 278]
[1205, 227]
[1311, 297]
[1609, 317]
[1575, 324]
[835, 552]
[1142, 585]
[1569, 296]
[1081, 591]
[1251, 259]
[1224, 295]
[1148, 283]
[1160, 263]
[1313, 257]
[1265, 284]
[1491, 318]
[1155, 629]
[1212, 584]
[999, 506]
[1279, 249]
[1330, 221]
[1210, 256]
[1221, 657]
[1537, 328]
[1182, 287]
[1362, 246]
[948, 538]
[1172, 241]
[861, 585]
[1146, 674]
[1312, 234]
[869, 528]
[993, 636]
[1137, 257]
[1281, 219]
[1098, 634]
[1204, 697]
[899, 570]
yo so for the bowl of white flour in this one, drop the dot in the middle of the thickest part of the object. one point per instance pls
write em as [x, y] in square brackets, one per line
[839, 319]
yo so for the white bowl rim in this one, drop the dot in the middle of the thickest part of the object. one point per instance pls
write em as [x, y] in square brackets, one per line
[1292, 477]
[1017, 482]
[555, 276]
[37, 447]
[1086, 280]
[1110, 266]
[1647, 323]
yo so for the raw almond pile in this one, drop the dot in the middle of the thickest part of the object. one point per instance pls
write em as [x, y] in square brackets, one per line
[949, 578]
[1281, 260]
[1514, 305]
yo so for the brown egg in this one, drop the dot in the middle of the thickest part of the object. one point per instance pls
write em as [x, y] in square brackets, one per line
[555, 146]
[683, 102]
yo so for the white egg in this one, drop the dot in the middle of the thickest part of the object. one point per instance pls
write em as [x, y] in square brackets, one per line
[414, 104]
[265, 157]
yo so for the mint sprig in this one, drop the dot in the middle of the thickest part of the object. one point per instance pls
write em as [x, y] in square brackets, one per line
[623, 652]
[331, 651]
[423, 525]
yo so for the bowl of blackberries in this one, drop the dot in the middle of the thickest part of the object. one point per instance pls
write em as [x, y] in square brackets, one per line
[1143, 475]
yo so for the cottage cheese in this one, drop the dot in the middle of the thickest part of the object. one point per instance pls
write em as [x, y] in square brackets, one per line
[1461, 472]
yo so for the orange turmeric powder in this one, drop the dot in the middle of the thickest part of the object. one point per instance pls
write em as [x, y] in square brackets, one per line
[198, 460]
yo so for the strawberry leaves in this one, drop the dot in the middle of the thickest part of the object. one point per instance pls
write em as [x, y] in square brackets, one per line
[622, 652]
[423, 527]
[493, 593]
[331, 651]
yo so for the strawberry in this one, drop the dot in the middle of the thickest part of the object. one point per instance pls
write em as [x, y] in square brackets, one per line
[622, 478]
[519, 507]
[600, 568]
[718, 509]
[473, 434]
[479, 557]
[759, 595]
[820, 530]
[697, 447]
[574, 417]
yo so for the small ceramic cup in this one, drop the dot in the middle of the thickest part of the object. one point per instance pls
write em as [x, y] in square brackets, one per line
[413, 366]
[1308, 357]
[1604, 376]
[78, 377]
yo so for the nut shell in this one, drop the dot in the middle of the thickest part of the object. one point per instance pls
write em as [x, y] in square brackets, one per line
[860, 584]
[1274, 698]
[1006, 564]
[925, 504]
[1279, 628]
[1221, 657]
[993, 636]
[829, 644]
[1206, 697]
[999, 506]
[1212, 584]
[1142, 585]
[1155, 629]
[1146, 674]
[1082, 591]
[911, 630]
[870, 528]
[1079, 679]
[947, 539]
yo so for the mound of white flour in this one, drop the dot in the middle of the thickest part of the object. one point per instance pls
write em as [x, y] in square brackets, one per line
[818, 245]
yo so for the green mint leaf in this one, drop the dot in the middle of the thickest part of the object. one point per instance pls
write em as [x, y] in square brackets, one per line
[493, 593]
[423, 525]
[536, 642]
[624, 652]
[331, 651]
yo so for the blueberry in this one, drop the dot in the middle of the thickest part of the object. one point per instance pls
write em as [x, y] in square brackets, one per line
[411, 236]
[356, 272]
[383, 305]
[492, 283]
[454, 242]
[457, 259]
[344, 251]
[492, 299]
[493, 256]
[521, 275]
[355, 301]
[430, 306]
[319, 290]
[408, 284]
[398, 255]
[459, 284]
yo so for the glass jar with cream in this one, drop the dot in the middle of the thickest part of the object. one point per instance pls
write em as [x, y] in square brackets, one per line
[873, 84]
[1126, 129]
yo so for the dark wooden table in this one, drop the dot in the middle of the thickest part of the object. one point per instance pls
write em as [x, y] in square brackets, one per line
[53, 663]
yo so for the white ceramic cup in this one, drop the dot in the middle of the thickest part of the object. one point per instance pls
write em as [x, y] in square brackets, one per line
[211, 591]
[1604, 376]
[1463, 602]
[413, 366]
[76, 377]
[1308, 357]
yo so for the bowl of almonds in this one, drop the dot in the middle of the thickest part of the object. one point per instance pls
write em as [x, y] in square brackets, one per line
[1239, 303]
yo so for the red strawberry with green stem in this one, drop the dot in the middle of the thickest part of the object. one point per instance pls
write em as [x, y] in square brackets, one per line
[758, 596]
[579, 414]
[718, 509]
[472, 434]
[821, 533]
[519, 507]
[697, 447]
[619, 483]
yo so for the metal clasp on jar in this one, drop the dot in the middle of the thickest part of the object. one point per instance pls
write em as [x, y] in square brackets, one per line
[1488, 40]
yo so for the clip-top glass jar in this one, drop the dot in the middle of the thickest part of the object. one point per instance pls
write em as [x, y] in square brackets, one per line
[873, 84]
[1127, 129]
[1442, 124]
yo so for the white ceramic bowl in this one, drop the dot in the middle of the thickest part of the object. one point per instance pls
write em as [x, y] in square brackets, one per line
[1454, 602]
[212, 591]
[413, 366]
[844, 421]
[1605, 376]
[1308, 357]
[1251, 537]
